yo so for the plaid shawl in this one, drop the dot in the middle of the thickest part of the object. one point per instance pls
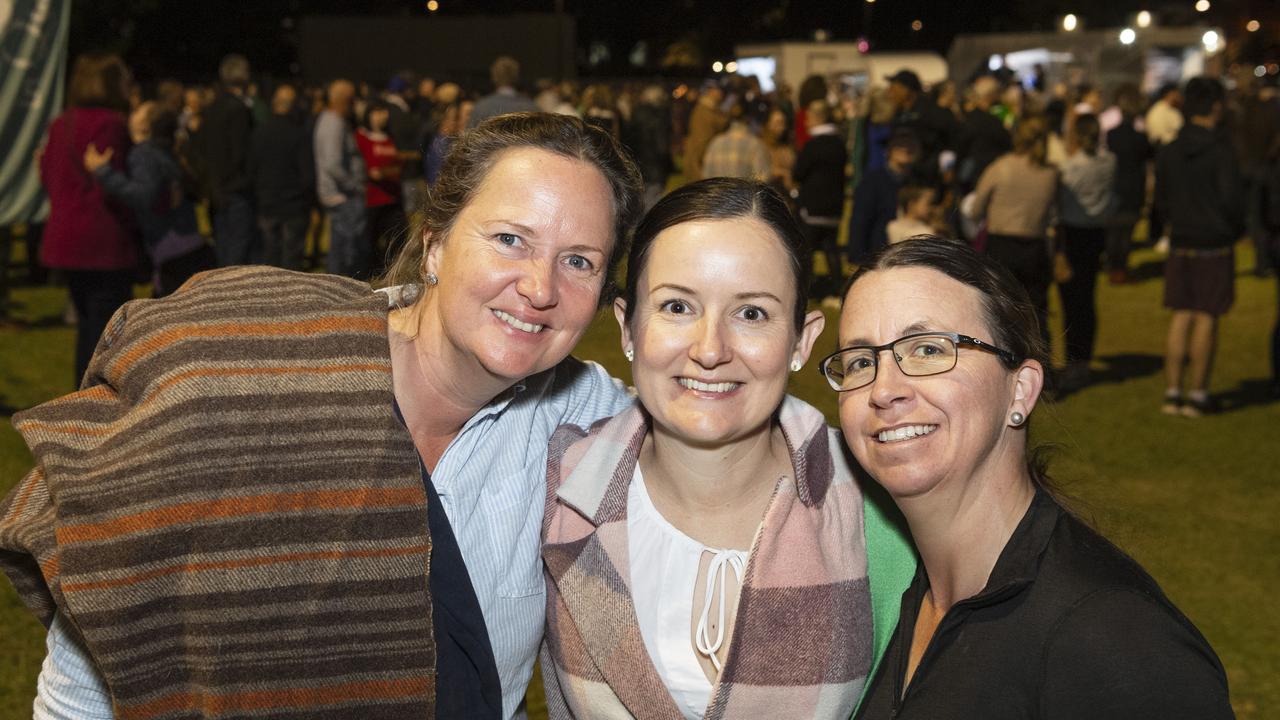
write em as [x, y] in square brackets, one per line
[228, 513]
[802, 644]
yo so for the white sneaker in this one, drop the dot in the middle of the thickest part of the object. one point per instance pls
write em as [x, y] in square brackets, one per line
[1162, 245]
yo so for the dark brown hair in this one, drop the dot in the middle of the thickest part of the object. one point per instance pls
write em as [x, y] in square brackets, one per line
[100, 81]
[475, 153]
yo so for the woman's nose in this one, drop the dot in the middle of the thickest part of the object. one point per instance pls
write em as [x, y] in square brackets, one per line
[890, 384]
[537, 283]
[710, 348]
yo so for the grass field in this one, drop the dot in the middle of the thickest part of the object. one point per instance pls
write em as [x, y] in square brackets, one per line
[1196, 501]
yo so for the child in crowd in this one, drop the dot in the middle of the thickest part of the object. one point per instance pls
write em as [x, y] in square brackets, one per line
[917, 213]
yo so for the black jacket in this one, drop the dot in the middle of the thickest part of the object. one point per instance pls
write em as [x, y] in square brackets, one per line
[819, 174]
[875, 203]
[1132, 150]
[1199, 190]
[981, 139]
[281, 168]
[1068, 627]
[648, 137]
[224, 138]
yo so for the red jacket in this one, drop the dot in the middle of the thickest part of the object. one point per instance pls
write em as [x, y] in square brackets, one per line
[87, 230]
[380, 153]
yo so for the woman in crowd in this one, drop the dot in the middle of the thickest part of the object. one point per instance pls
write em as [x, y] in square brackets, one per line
[448, 121]
[1018, 609]
[710, 553]
[287, 494]
[782, 155]
[1017, 196]
[1086, 198]
[89, 235]
[158, 191]
[383, 212]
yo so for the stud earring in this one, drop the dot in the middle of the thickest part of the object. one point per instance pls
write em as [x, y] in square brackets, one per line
[1016, 418]
[432, 279]
[630, 353]
[795, 366]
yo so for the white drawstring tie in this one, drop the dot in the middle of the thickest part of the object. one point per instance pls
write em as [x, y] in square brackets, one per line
[716, 571]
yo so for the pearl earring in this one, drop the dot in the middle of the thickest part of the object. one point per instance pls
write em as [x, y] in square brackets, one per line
[795, 366]
[631, 354]
[1016, 418]
[432, 279]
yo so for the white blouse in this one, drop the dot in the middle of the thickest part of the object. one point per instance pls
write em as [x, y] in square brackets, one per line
[664, 572]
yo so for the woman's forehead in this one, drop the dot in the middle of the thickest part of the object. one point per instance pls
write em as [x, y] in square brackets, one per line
[885, 304]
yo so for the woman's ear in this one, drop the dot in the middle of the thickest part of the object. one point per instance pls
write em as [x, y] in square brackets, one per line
[1028, 381]
[814, 323]
[620, 314]
[430, 254]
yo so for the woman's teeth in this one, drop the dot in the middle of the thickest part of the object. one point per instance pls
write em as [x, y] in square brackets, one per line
[722, 387]
[513, 322]
[905, 433]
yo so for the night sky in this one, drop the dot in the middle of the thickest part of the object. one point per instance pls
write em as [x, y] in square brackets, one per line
[185, 39]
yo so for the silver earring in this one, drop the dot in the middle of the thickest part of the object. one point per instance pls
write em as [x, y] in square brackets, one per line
[1016, 418]
[795, 366]
[631, 354]
[432, 279]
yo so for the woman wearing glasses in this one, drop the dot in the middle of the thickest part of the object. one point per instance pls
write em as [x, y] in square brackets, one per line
[710, 553]
[1018, 610]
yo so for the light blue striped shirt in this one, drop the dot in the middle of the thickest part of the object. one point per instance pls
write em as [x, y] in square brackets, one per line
[492, 485]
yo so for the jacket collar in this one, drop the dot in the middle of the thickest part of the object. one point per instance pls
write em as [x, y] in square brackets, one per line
[597, 486]
[1019, 562]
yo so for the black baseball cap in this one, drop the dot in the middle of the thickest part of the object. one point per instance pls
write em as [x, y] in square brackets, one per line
[907, 79]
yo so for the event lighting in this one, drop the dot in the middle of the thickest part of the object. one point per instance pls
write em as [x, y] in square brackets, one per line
[1070, 23]
[1127, 36]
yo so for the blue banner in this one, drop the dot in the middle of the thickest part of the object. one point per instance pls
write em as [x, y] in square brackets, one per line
[33, 62]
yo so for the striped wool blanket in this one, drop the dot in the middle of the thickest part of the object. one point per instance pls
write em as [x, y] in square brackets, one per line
[802, 644]
[228, 512]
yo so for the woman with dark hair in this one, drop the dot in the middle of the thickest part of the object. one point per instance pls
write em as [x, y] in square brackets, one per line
[710, 553]
[1018, 609]
[1086, 202]
[158, 191]
[287, 494]
[383, 213]
[89, 235]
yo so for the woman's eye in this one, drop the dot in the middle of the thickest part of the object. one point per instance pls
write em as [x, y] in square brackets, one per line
[927, 350]
[577, 262]
[754, 314]
[675, 307]
[509, 239]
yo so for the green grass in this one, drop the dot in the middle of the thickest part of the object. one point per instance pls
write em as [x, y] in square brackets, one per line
[1195, 501]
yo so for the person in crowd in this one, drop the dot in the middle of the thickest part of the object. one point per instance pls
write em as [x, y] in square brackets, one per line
[159, 193]
[819, 178]
[384, 216]
[1018, 609]
[1132, 150]
[427, 98]
[1086, 203]
[981, 137]
[1017, 198]
[505, 73]
[934, 126]
[282, 170]
[601, 110]
[1253, 123]
[408, 134]
[705, 122]
[449, 126]
[875, 201]
[782, 155]
[224, 137]
[748, 575]
[1163, 122]
[649, 139]
[813, 87]
[340, 183]
[736, 152]
[339, 489]
[89, 235]
[170, 95]
[917, 214]
[1200, 193]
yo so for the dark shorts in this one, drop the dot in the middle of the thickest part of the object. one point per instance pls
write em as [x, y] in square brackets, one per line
[1200, 280]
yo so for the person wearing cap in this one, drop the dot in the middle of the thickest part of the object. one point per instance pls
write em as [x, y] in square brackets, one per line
[916, 111]
[875, 202]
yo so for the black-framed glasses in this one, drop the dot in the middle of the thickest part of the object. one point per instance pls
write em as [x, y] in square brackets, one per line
[917, 354]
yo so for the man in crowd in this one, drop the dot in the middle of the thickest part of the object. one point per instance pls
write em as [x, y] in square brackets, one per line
[407, 131]
[705, 122]
[736, 152]
[875, 202]
[934, 127]
[1199, 192]
[1163, 121]
[282, 171]
[505, 73]
[982, 137]
[340, 183]
[224, 137]
[819, 177]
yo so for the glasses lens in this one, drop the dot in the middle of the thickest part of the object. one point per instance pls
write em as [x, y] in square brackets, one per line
[926, 355]
[851, 369]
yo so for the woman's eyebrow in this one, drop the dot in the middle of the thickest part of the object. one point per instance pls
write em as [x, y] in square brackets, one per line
[915, 327]
[758, 294]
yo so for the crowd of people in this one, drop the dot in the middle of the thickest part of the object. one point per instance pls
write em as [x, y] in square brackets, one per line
[305, 494]
[1052, 181]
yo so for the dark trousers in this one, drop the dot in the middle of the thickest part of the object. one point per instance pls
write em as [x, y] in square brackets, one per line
[386, 233]
[96, 295]
[284, 240]
[1028, 260]
[1120, 239]
[823, 238]
[348, 241]
[1083, 248]
[234, 238]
